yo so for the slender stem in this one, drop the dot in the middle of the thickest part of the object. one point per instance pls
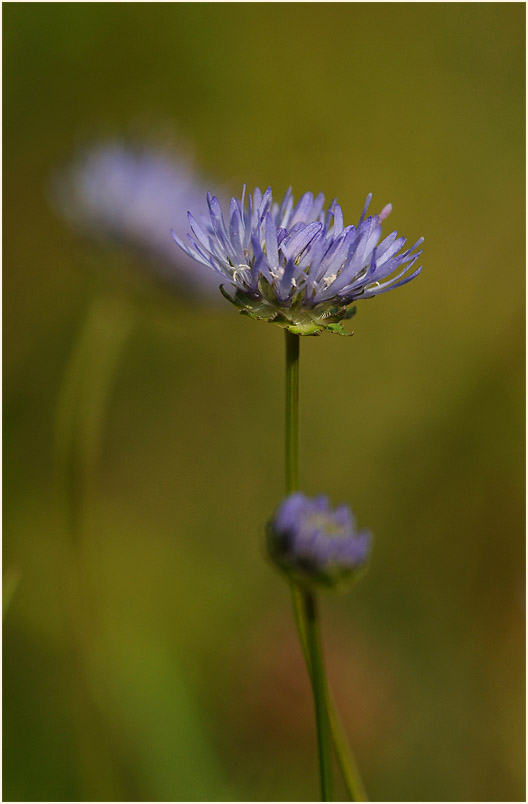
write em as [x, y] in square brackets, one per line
[292, 412]
[81, 409]
[318, 677]
[312, 643]
[346, 760]
[345, 757]
[347, 764]
[10, 582]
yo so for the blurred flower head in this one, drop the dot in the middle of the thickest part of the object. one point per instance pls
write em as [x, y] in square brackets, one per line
[316, 544]
[298, 266]
[130, 195]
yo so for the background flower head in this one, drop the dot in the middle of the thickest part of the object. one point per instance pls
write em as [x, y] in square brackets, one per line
[298, 265]
[130, 195]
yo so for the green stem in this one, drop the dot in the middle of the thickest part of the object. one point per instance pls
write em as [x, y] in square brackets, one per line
[81, 409]
[319, 685]
[347, 764]
[345, 757]
[312, 646]
[10, 582]
[292, 412]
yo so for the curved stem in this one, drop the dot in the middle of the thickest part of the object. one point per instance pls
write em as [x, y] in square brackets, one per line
[345, 758]
[312, 645]
[347, 764]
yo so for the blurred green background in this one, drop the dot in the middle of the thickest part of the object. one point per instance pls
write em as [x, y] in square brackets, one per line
[158, 660]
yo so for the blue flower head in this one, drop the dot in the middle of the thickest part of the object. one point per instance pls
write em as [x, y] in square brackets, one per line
[298, 266]
[315, 544]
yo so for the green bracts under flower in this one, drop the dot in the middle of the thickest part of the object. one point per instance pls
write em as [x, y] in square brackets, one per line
[298, 319]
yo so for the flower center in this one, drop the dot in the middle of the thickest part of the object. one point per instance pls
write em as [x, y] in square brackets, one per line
[325, 524]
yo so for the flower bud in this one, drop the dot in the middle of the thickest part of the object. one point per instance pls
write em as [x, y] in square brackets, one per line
[315, 544]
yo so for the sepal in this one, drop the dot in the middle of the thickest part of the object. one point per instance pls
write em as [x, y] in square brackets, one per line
[298, 320]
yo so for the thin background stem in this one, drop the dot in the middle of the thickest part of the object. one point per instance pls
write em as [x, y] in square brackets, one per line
[81, 409]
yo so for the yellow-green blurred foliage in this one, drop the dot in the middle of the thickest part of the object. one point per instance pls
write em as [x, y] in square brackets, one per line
[157, 659]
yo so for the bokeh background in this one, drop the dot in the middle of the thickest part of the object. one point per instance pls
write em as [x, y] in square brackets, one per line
[149, 650]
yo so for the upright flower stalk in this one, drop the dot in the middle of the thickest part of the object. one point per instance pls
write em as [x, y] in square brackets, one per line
[301, 268]
[306, 615]
[309, 632]
[319, 684]
[292, 412]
